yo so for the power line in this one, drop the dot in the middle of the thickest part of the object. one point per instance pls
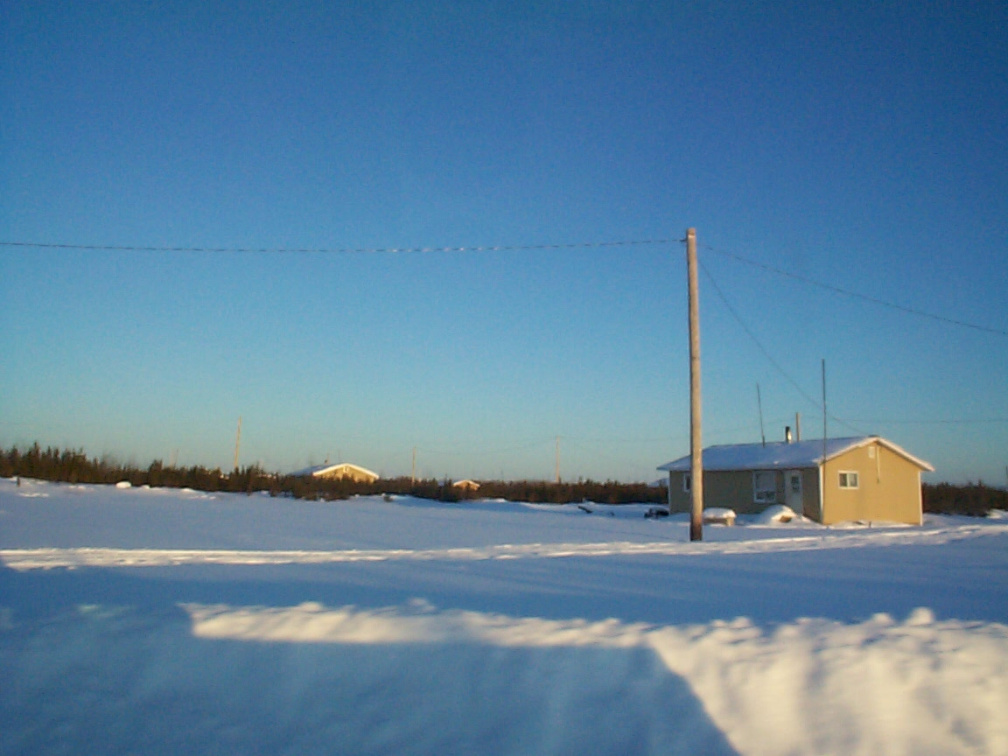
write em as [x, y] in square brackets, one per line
[738, 318]
[755, 340]
[505, 248]
[941, 421]
[856, 295]
[471, 450]
[337, 250]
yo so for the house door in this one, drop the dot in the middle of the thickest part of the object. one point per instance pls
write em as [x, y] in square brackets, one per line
[793, 490]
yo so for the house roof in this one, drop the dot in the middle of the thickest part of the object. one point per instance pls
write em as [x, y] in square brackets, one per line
[784, 456]
[319, 470]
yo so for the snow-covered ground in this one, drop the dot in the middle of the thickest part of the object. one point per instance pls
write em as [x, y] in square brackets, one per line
[164, 621]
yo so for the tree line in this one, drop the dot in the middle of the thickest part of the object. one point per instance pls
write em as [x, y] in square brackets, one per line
[971, 499]
[74, 466]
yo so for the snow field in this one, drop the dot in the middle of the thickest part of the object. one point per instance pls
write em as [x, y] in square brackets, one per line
[161, 622]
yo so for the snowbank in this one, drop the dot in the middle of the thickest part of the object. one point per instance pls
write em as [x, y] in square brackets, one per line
[160, 621]
[776, 514]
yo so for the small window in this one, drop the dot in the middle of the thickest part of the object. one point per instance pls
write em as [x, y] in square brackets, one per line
[848, 480]
[686, 482]
[764, 487]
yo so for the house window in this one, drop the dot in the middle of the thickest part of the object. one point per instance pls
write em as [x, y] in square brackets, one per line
[764, 487]
[848, 479]
[686, 482]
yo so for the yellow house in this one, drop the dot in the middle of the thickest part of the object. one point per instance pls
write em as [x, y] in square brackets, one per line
[865, 478]
[342, 471]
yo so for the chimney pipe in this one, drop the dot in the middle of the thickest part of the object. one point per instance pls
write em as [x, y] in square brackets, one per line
[787, 434]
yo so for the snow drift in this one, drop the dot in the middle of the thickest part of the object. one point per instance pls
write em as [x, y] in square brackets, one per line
[157, 621]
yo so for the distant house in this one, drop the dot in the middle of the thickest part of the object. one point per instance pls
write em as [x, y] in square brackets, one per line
[466, 485]
[342, 471]
[859, 478]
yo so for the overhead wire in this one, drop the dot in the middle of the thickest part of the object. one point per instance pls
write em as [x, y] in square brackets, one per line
[940, 421]
[338, 250]
[512, 248]
[565, 246]
[777, 366]
[847, 292]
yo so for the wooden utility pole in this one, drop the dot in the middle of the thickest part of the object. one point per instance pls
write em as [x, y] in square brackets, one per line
[558, 460]
[759, 405]
[824, 409]
[237, 443]
[413, 473]
[822, 488]
[696, 441]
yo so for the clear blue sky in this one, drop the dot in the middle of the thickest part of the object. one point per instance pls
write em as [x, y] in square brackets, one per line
[861, 145]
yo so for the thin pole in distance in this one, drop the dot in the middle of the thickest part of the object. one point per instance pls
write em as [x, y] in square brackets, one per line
[696, 442]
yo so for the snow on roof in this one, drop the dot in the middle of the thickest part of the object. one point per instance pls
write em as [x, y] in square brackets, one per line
[319, 470]
[782, 455]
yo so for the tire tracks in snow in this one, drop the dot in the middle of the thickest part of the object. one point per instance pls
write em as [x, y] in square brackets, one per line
[79, 557]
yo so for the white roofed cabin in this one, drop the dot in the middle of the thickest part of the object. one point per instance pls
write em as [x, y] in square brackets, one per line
[863, 478]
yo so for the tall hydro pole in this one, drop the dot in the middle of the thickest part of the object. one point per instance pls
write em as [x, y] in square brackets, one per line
[696, 441]
[558, 460]
[237, 442]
